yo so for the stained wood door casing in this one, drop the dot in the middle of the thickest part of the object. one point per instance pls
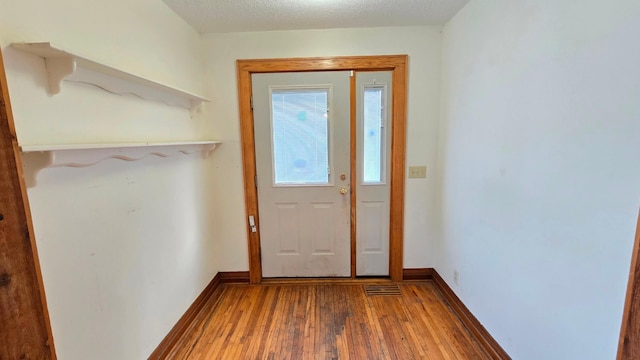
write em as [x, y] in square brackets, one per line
[629, 344]
[25, 331]
[397, 64]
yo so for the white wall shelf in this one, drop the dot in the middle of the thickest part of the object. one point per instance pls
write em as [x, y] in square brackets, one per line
[62, 65]
[38, 157]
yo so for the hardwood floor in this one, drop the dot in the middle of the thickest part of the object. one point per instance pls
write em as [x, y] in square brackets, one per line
[320, 320]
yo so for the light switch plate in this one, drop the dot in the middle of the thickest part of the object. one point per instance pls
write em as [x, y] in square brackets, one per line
[417, 172]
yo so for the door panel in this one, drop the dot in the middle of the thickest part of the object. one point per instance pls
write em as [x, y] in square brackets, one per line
[324, 238]
[372, 217]
[301, 128]
[373, 138]
[288, 228]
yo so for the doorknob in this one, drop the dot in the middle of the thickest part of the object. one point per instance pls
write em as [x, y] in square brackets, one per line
[344, 191]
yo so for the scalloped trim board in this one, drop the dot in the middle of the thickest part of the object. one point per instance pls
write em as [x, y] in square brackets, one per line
[38, 157]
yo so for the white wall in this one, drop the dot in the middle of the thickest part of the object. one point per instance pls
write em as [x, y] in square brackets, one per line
[125, 247]
[422, 44]
[540, 157]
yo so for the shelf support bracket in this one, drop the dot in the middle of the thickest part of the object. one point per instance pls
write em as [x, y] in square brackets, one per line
[208, 149]
[195, 108]
[58, 68]
[33, 162]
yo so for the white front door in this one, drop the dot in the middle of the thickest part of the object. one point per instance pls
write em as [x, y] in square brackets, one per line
[302, 132]
[302, 142]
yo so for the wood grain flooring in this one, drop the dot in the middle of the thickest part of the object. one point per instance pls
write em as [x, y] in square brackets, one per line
[297, 320]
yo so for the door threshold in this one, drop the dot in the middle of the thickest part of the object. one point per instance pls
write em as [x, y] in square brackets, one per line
[325, 281]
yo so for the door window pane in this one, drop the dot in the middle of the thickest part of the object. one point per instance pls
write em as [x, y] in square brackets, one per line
[300, 128]
[373, 139]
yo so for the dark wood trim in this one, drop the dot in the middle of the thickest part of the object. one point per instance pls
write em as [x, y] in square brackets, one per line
[397, 64]
[249, 169]
[488, 343]
[398, 152]
[227, 277]
[187, 320]
[26, 329]
[629, 344]
[417, 274]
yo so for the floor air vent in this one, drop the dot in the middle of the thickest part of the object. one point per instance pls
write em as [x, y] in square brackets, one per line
[382, 290]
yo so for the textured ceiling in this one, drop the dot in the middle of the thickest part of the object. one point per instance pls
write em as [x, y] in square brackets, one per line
[215, 16]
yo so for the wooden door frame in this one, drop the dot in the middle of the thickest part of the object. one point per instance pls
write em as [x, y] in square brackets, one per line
[629, 343]
[397, 64]
[26, 330]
